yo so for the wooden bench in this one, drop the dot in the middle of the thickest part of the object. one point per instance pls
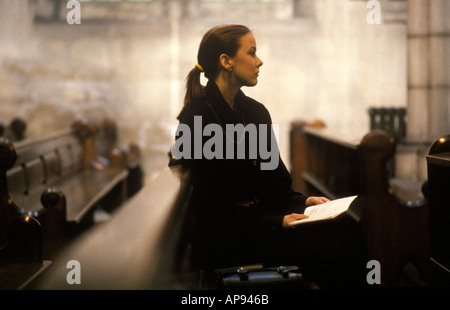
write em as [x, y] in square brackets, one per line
[438, 164]
[338, 165]
[145, 245]
[58, 180]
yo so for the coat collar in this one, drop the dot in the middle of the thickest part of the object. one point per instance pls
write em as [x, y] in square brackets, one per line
[221, 107]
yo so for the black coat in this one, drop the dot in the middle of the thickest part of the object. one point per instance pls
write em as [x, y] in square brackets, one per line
[229, 232]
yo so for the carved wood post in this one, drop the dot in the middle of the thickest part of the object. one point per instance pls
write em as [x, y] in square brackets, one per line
[54, 219]
[116, 156]
[86, 131]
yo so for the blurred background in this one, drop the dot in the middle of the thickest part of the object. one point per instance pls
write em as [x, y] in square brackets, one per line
[127, 60]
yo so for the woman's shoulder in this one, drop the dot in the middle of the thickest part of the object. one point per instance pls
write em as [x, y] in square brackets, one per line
[253, 106]
[250, 102]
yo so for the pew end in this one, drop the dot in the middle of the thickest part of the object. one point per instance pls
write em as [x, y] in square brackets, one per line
[397, 230]
[438, 161]
[21, 259]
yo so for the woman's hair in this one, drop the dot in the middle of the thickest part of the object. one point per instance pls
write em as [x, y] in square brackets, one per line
[222, 39]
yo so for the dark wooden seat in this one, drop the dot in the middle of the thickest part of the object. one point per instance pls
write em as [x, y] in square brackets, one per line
[339, 164]
[58, 180]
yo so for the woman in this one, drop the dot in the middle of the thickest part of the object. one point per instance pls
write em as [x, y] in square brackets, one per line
[244, 197]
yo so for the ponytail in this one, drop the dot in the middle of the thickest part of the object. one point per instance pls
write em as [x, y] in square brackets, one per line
[194, 89]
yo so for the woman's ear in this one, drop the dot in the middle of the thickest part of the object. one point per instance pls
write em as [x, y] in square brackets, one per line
[225, 62]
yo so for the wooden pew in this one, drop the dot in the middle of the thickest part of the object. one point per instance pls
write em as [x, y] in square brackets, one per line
[145, 245]
[58, 180]
[338, 165]
[438, 162]
[21, 257]
[297, 152]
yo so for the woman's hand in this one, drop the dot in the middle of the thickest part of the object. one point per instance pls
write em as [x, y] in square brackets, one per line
[314, 200]
[292, 218]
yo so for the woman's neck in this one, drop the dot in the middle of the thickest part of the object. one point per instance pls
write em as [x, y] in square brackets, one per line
[227, 89]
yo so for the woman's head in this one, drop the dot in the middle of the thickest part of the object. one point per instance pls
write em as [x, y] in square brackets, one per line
[218, 41]
[223, 39]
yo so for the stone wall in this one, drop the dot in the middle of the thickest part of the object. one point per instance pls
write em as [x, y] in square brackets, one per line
[321, 60]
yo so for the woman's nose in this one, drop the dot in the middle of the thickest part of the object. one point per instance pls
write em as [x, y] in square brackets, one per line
[260, 63]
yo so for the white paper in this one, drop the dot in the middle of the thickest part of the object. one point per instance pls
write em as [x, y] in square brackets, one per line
[326, 210]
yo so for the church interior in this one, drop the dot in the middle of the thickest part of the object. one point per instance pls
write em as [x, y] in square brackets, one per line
[96, 85]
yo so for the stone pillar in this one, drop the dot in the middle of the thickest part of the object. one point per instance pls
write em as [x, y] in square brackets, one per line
[428, 29]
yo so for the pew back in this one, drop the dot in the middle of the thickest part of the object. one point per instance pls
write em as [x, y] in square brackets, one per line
[59, 161]
[396, 231]
[331, 165]
[40, 163]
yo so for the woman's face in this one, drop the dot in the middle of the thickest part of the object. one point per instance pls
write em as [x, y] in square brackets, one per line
[246, 64]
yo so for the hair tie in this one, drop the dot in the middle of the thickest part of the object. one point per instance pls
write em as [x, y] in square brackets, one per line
[199, 67]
